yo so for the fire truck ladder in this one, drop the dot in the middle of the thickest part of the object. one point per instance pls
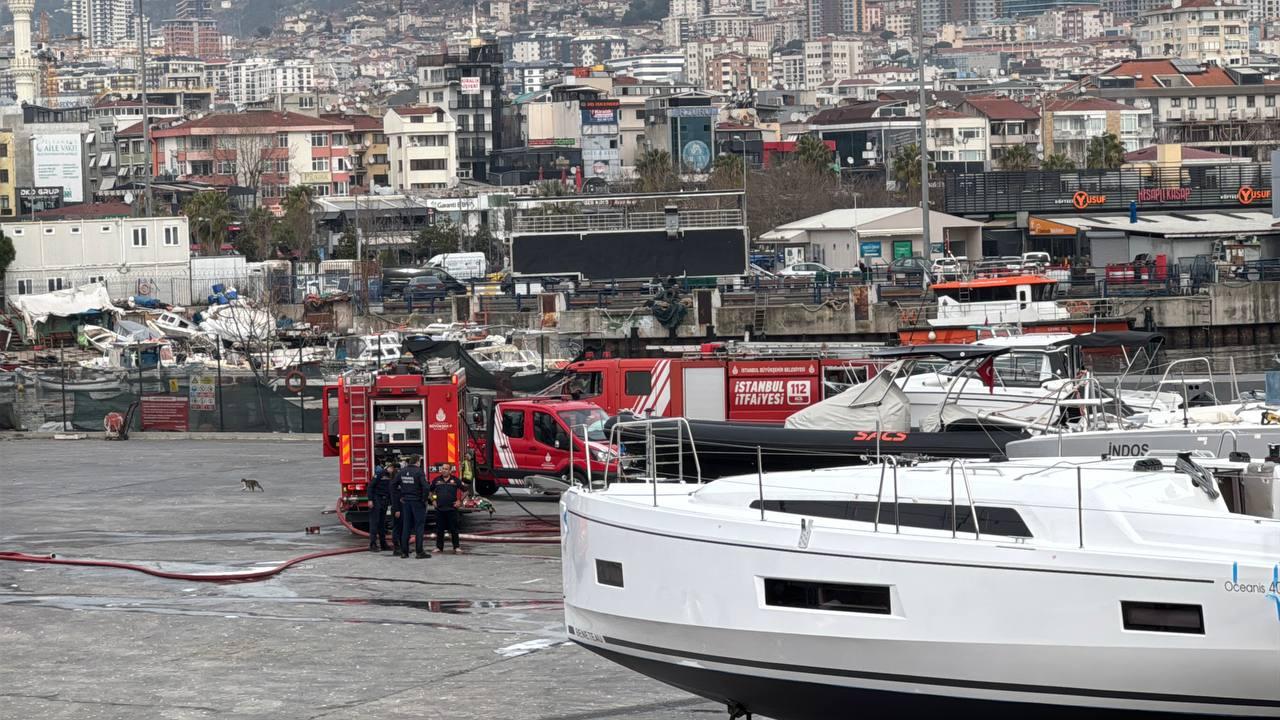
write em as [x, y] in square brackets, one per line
[779, 350]
[360, 435]
[759, 314]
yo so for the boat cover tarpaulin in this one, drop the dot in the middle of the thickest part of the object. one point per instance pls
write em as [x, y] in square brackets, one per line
[878, 404]
[1113, 338]
[424, 348]
[36, 309]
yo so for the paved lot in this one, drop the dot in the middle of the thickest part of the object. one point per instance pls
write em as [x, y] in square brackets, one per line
[363, 635]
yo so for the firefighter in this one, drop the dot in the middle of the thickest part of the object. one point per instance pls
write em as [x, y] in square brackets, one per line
[409, 496]
[380, 502]
[447, 490]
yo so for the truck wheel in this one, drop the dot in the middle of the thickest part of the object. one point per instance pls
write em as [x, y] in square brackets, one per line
[579, 477]
[486, 488]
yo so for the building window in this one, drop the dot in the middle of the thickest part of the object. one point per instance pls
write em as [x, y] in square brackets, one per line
[1271, 101]
[320, 164]
[55, 283]
[139, 237]
[104, 229]
[1175, 102]
[1192, 103]
[96, 280]
[282, 166]
[432, 164]
[171, 236]
[872, 599]
[339, 164]
[341, 188]
[282, 140]
[4, 150]
[640, 116]
[1250, 101]
[1211, 103]
[319, 139]
[1231, 101]
[16, 231]
[75, 229]
[24, 287]
[306, 102]
[48, 231]
[4, 177]
[198, 143]
[201, 167]
[339, 140]
[226, 167]
[319, 190]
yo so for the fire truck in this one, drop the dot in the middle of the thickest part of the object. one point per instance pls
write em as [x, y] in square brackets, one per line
[375, 418]
[738, 382]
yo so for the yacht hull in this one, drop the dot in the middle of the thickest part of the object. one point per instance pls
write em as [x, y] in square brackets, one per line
[1141, 442]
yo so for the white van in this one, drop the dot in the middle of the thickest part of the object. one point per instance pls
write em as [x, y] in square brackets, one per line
[462, 266]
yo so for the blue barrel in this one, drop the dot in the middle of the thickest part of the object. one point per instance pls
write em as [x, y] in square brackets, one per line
[1273, 387]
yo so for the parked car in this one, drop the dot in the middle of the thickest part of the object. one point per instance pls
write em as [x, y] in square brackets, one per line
[805, 269]
[463, 265]
[425, 288]
[394, 280]
[1036, 261]
[952, 267]
[912, 270]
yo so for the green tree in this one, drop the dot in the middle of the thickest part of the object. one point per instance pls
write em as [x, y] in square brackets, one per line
[1058, 162]
[1018, 157]
[813, 152]
[906, 167]
[346, 247]
[1105, 152]
[653, 168]
[441, 237]
[299, 231]
[727, 173]
[7, 255]
[254, 240]
[209, 214]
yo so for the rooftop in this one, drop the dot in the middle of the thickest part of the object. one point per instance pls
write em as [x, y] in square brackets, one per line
[86, 211]
[257, 119]
[994, 107]
[405, 110]
[1085, 104]
[1145, 72]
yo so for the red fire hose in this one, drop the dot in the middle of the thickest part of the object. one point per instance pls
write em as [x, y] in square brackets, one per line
[244, 576]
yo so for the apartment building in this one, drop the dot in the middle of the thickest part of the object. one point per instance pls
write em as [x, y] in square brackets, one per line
[421, 148]
[258, 79]
[1199, 31]
[1009, 124]
[8, 175]
[468, 87]
[1070, 123]
[1231, 110]
[266, 151]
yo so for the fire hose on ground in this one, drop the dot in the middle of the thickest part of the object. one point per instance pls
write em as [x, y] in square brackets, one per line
[535, 536]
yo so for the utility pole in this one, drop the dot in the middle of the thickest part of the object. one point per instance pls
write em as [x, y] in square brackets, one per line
[146, 120]
[924, 134]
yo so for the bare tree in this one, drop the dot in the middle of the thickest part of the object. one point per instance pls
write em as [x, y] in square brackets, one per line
[256, 157]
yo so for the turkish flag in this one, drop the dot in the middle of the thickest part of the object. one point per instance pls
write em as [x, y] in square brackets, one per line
[987, 371]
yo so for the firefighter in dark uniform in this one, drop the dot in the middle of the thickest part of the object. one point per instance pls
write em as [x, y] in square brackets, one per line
[409, 496]
[380, 502]
[447, 491]
[393, 470]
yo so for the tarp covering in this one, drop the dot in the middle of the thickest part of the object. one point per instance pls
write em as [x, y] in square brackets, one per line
[878, 404]
[238, 322]
[1112, 338]
[36, 309]
[425, 348]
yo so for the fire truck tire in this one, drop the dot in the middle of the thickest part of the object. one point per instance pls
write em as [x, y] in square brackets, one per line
[579, 477]
[486, 488]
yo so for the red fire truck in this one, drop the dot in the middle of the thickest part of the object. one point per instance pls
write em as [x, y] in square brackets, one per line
[376, 418]
[722, 382]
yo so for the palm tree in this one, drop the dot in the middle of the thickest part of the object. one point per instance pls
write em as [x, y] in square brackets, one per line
[812, 150]
[1105, 152]
[1058, 162]
[906, 166]
[653, 167]
[1018, 157]
[209, 214]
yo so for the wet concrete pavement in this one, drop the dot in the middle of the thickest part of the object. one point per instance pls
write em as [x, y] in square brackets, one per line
[478, 635]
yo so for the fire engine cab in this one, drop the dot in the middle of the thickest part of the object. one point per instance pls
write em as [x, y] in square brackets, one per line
[545, 436]
[379, 418]
[715, 381]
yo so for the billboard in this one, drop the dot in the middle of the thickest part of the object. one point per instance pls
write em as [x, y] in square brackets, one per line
[470, 86]
[599, 112]
[57, 161]
[633, 254]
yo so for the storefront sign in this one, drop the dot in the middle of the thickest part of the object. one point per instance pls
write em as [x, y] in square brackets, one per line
[1081, 200]
[553, 142]
[162, 412]
[599, 112]
[1040, 226]
[1247, 195]
[1170, 194]
[696, 111]
[870, 248]
[40, 193]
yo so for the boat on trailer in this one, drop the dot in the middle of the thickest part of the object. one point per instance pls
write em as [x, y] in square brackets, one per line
[1054, 587]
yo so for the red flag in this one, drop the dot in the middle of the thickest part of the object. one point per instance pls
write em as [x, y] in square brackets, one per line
[987, 371]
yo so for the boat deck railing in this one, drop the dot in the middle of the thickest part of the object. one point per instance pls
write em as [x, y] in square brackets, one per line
[655, 445]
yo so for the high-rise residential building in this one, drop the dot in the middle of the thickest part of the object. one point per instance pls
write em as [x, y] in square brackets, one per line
[421, 148]
[194, 9]
[468, 86]
[193, 37]
[1196, 31]
[835, 17]
[104, 23]
[257, 79]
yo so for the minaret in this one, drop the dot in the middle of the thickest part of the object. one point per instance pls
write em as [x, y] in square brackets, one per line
[24, 67]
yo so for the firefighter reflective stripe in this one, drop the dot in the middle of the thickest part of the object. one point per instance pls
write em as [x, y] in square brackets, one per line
[452, 448]
[659, 396]
[502, 450]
